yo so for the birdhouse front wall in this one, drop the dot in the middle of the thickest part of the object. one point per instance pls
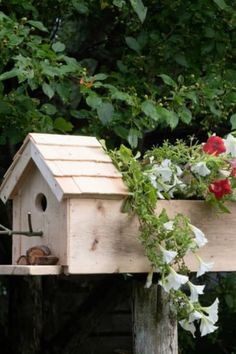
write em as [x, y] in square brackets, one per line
[102, 239]
[48, 215]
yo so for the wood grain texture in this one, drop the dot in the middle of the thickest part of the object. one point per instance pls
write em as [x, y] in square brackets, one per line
[104, 240]
[154, 321]
[68, 140]
[52, 221]
[60, 159]
[73, 153]
[30, 270]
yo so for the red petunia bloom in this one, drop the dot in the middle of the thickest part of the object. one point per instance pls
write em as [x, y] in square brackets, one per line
[214, 146]
[220, 188]
[233, 172]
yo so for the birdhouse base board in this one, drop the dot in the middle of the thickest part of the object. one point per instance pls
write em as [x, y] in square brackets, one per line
[30, 270]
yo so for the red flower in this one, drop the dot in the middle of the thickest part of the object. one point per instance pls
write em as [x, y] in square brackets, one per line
[233, 172]
[220, 188]
[214, 146]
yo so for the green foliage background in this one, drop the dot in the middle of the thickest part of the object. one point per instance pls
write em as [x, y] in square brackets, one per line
[127, 71]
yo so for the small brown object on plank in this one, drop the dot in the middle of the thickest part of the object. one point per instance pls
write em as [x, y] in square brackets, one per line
[37, 251]
[22, 260]
[45, 260]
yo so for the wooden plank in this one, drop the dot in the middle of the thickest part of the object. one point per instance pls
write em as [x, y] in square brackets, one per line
[14, 173]
[82, 168]
[68, 186]
[47, 173]
[101, 185]
[67, 140]
[104, 240]
[30, 270]
[73, 153]
[154, 322]
[52, 220]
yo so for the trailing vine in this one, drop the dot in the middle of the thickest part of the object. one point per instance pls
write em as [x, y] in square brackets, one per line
[178, 171]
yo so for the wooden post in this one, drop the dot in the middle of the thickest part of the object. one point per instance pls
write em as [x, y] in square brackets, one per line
[154, 321]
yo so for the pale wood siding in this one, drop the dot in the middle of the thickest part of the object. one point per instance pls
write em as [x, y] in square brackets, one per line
[52, 221]
[104, 240]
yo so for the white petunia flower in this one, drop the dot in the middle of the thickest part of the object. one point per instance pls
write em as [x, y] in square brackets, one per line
[195, 291]
[200, 237]
[173, 281]
[169, 225]
[204, 267]
[188, 326]
[195, 315]
[201, 169]
[168, 255]
[206, 326]
[149, 280]
[163, 170]
[212, 311]
[230, 144]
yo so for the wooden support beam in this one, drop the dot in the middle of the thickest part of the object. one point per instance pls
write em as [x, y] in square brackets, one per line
[154, 321]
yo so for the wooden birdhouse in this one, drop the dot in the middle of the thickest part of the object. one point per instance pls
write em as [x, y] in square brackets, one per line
[74, 195]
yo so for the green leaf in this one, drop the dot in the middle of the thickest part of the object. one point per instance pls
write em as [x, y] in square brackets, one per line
[80, 6]
[58, 47]
[172, 119]
[139, 8]
[133, 138]
[121, 132]
[93, 101]
[100, 77]
[105, 112]
[62, 125]
[150, 110]
[4, 107]
[168, 80]
[39, 25]
[133, 44]
[185, 115]
[49, 109]
[9, 74]
[221, 4]
[233, 121]
[48, 90]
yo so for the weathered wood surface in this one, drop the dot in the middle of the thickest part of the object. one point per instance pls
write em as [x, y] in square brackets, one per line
[25, 315]
[52, 221]
[30, 269]
[60, 159]
[154, 321]
[104, 240]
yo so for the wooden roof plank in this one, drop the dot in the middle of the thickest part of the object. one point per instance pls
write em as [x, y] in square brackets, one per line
[65, 140]
[14, 173]
[83, 168]
[101, 185]
[73, 153]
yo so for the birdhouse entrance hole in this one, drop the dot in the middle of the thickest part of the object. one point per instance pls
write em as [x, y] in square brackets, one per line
[41, 202]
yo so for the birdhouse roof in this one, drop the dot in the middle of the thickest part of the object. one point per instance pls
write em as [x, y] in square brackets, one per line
[72, 166]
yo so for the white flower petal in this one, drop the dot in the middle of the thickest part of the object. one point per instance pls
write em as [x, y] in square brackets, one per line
[206, 326]
[230, 144]
[195, 291]
[149, 280]
[200, 237]
[188, 326]
[204, 267]
[201, 169]
[168, 255]
[173, 281]
[169, 225]
[195, 315]
[212, 311]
